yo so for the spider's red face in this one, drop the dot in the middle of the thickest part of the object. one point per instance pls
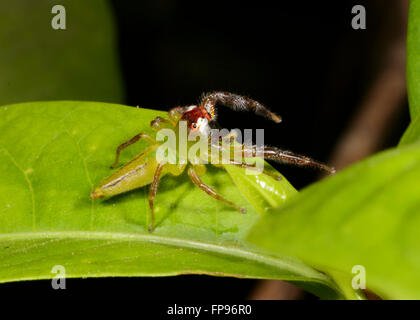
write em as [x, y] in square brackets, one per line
[197, 119]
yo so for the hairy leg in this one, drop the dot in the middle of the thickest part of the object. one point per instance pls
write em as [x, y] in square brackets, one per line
[210, 191]
[230, 137]
[144, 136]
[237, 103]
[254, 167]
[275, 154]
[152, 194]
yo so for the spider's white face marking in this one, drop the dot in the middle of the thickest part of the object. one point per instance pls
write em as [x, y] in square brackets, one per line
[203, 126]
[197, 119]
[200, 127]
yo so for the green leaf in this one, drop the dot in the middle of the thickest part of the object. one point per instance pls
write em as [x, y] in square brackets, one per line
[368, 214]
[40, 63]
[412, 134]
[53, 154]
[344, 282]
[262, 191]
[413, 59]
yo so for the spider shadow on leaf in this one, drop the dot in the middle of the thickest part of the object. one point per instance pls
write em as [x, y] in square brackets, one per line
[168, 185]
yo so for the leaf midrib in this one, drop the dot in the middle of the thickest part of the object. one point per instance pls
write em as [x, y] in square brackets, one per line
[176, 242]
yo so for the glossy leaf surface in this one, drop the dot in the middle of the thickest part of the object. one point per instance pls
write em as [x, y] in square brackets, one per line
[368, 215]
[52, 154]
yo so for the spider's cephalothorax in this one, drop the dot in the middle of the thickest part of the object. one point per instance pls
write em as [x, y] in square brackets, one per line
[146, 169]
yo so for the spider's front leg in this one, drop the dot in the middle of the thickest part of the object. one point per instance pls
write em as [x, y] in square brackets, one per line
[143, 136]
[235, 102]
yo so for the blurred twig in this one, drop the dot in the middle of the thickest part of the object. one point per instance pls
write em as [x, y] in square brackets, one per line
[368, 128]
[276, 290]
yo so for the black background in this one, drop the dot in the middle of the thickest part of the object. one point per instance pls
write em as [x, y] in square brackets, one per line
[301, 59]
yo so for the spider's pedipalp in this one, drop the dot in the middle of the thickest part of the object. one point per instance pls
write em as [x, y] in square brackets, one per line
[235, 102]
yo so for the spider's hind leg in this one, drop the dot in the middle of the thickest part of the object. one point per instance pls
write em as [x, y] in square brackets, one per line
[276, 154]
[254, 167]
